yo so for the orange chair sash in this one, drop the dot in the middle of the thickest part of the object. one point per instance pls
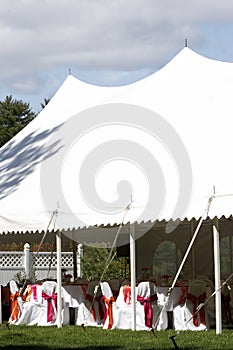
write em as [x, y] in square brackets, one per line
[109, 311]
[27, 293]
[14, 306]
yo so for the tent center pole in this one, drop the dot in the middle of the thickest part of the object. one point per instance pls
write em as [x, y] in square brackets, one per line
[133, 275]
[59, 299]
[0, 304]
[218, 310]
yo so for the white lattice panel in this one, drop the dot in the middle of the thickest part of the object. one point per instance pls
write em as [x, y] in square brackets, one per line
[13, 262]
[45, 259]
[67, 260]
[11, 259]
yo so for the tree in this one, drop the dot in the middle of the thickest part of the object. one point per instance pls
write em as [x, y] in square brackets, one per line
[46, 101]
[94, 264]
[14, 116]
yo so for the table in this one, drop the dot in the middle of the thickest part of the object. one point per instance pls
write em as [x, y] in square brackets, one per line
[76, 291]
[174, 298]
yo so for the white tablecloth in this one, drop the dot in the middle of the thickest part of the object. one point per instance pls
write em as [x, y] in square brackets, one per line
[77, 292]
[173, 300]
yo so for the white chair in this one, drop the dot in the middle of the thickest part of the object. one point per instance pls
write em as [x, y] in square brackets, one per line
[75, 301]
[15, 302]
[153, 316]
[31, 305]
[77, 292]
[123, 313]
[185, 317]
[68, 303]
[146, 302]
[91, 311]
[110, 305]
[48, 310]
[115, 285]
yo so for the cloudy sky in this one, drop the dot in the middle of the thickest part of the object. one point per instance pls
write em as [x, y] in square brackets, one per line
[105, 42]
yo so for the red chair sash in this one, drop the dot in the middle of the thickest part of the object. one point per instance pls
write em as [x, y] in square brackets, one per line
[147, 308]
[34, 291]
[183, 295]
[127, 294]
[92, 309]
[196, 301]
[50, 299]
[84, 289]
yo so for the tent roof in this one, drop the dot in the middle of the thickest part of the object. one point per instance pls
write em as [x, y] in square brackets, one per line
[190, 137]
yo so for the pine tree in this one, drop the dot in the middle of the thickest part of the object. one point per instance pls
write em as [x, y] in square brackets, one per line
[14, 116]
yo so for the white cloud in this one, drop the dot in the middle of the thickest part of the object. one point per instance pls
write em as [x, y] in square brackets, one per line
[40, 37]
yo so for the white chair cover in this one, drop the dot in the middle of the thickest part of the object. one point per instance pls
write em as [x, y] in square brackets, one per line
[115, 285]
[110, 305]
[91, 311]
[31, 306]
[123, 313]
[13, 287]
[183, 315]
[39, 304]
[16, 302]
[146, 303]
[48, 310]
[77, 294]
[147, 292]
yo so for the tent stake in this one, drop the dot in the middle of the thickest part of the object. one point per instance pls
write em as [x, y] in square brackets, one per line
[173, 341]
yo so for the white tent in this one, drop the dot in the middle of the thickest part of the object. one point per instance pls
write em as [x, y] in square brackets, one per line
[169, 136]
[193, 96]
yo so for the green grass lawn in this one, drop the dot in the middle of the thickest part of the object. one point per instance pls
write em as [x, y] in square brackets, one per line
[75, 337]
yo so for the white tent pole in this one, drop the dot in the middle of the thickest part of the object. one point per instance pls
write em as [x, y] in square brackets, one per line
[59, 300]
[0, 303]
[231, 249]
[218, 310]
[133, 275]
[170, 289]
[27, 263]
[193, 251]
[79, 258]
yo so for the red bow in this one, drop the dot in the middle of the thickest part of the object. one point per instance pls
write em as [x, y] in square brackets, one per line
[49, 299]
[147, 308]
[127, 294]
[183, 295]
[98, 299]
[196, 301]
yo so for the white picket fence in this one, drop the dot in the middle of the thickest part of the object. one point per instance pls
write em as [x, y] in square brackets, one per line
[42, 263]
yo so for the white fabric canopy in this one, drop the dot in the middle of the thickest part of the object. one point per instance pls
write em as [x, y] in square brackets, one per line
[190, 138]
